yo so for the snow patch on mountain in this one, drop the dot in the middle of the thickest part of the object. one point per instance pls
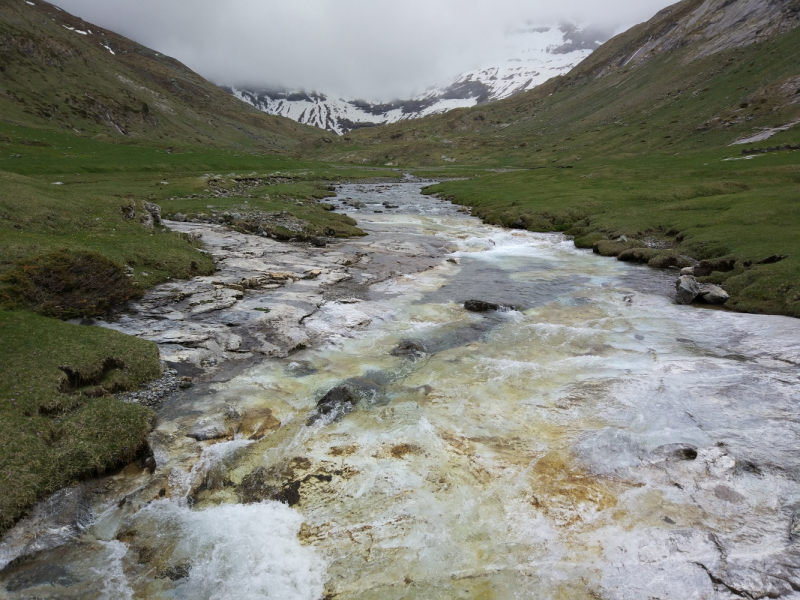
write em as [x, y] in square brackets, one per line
[532, 56]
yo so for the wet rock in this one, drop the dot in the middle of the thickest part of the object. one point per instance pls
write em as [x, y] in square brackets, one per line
[174, 572]
[318, 242]
[299, 369]
[39, 575]
[676, 452]
[259, 423]
[481, 306]
[409, 348]
[713, 294]
[153, 393]
[52, 523]
[723, 492]
[186, 383]
[336, 403]
[687, 289]
[212, 428]
[794, 529]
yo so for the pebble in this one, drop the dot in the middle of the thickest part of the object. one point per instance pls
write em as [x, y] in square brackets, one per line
[153, 393]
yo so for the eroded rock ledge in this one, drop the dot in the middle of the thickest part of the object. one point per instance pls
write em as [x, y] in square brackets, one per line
[265, 297]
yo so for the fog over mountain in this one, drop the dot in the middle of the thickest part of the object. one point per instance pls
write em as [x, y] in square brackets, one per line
[372, 49]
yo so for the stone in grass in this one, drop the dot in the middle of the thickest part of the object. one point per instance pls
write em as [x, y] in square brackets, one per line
[666, 260]
[713, 294]
[687, 289]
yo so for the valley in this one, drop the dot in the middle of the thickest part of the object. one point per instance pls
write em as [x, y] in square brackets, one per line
[223, 326]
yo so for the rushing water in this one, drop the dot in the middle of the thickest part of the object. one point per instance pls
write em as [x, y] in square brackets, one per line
[602, 442]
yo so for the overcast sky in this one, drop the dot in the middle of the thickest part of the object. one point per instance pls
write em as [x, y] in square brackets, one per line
[371, 49]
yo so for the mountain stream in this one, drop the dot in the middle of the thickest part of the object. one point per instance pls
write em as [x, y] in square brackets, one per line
[598, 442]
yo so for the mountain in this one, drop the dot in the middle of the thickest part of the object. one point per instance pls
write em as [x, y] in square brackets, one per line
[700, 73]
[535, 54]
[58, 71]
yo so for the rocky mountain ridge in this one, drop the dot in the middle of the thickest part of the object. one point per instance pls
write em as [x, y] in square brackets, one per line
[535, 54]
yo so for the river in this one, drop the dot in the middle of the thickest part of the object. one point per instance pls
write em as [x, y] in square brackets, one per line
[600, 442]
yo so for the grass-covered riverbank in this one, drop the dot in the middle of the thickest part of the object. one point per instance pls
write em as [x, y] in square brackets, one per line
[75, 235]
[58, 421]
[707, 205]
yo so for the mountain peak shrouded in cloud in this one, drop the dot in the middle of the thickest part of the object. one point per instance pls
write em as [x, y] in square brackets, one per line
[372, 49]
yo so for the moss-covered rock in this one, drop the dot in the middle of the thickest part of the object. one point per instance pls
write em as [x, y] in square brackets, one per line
[588, 240]
[671, 258]
[638, 255]
[615, 247]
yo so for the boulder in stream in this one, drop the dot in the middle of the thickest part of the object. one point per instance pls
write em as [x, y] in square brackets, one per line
[687, 289]
[713, 294]
[413, 348]
[482, 306]
[337, 403]
[212, 428]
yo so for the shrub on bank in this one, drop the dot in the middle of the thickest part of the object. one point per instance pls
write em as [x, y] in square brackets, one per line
[67, 284]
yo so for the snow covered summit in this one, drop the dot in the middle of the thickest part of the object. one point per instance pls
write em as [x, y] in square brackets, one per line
[535, 54]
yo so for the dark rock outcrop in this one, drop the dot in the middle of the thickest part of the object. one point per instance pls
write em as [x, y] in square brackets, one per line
[336, 403]
[706, 267]
[482, 306]
[412, 348]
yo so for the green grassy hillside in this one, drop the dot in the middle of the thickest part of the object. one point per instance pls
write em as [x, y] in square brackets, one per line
[58, 72]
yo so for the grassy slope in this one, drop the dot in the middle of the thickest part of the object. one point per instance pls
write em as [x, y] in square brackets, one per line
[55, 78]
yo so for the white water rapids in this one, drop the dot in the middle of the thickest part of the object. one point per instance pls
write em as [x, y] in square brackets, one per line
[601, 443]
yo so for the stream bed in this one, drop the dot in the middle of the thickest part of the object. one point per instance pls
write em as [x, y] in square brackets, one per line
[601, 442]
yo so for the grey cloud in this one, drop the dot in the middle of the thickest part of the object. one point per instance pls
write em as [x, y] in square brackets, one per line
[373, 49]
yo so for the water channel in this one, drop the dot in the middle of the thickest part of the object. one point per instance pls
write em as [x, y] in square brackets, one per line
[599, 442]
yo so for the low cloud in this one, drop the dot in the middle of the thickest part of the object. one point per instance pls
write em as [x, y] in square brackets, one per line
[371, 49]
